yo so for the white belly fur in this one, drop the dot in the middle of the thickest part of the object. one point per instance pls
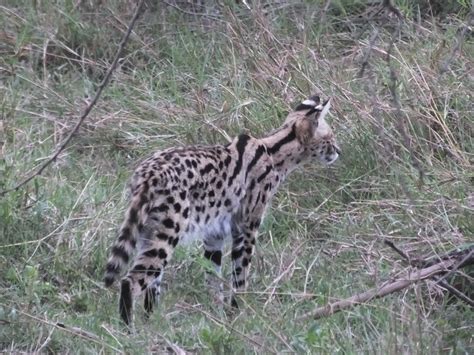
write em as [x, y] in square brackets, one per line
[216, 229]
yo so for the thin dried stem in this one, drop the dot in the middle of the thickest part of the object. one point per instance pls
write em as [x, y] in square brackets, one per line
[408, 279]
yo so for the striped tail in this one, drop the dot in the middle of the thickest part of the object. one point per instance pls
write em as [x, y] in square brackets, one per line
[124, 246]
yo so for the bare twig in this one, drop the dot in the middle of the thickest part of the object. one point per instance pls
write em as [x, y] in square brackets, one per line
[89, 107]
[454, 253]
[439, 280]
[410, 277]
[453, 290]
[399, 251]
[466, 260]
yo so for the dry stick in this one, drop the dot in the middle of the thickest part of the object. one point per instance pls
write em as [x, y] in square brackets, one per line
[454, 291]
[466, 260]
[89, 107]
[437, 258]
[439, 280]
[410, 278]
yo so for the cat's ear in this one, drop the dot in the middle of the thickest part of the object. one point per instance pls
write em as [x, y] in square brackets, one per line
[324, 110]
[315, 111]
[308, 104]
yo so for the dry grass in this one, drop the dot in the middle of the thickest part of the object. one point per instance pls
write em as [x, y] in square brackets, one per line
[403, 114]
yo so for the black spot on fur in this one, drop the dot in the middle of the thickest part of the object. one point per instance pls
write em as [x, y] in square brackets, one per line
[138, 268]
[161, 208]
[168, 223]
[207, 169]
[214, 256]
[152, 253]
[186, 212]
[133, 216]
[237, 253]
[162, 253]
[239, 283]
[238, 240]
[252, 185]
[120, 252]
[162, 236]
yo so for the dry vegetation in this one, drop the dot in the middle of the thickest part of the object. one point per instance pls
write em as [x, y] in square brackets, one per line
[401, 79]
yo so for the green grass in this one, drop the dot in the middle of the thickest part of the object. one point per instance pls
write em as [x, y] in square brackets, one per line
[405, 175]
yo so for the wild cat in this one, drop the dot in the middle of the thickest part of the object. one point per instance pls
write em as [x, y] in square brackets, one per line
[212, 192]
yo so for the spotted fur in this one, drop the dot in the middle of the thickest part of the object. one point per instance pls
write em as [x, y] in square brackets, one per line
[210, 192]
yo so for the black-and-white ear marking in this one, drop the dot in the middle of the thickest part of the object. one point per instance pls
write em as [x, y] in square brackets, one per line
[309, 103]
[325, 108]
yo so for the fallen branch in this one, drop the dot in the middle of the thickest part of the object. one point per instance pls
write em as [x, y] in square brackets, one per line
[465, 254]
[454, 291]
[410, 278]
[89, 107]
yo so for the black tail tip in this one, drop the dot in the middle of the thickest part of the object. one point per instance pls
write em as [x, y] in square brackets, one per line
[233, 302]
[125, 302]
[109, 280]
